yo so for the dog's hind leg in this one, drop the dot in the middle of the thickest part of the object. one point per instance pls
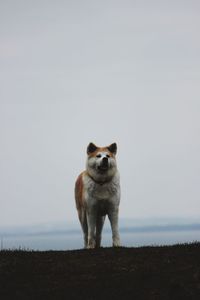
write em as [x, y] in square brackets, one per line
[83, 221]
[99, 227]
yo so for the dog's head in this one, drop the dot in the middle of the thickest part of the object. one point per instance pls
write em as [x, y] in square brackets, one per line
[101, 161]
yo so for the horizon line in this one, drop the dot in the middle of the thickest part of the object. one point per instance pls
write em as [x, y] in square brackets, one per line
[124, 229]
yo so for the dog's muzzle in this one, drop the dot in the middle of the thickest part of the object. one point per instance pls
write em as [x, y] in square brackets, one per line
[104, 164]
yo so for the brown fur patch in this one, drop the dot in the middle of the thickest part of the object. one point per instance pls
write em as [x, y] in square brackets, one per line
[101, 149]
[79, 191]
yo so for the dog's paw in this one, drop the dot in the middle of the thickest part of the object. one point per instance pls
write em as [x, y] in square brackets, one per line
[116, 243]
[91, 244]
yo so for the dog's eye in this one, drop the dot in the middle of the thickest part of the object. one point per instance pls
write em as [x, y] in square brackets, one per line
[98, 155]
[107, 155]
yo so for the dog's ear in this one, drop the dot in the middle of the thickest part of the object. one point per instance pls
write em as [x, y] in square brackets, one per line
[91, 148]
[113, 148]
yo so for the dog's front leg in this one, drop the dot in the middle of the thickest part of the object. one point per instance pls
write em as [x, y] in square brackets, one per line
[113, 217]
[91, 220]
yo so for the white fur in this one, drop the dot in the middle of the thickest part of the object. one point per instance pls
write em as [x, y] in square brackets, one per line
[101, 200]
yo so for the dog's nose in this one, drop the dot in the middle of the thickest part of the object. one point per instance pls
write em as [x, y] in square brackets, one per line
[105, 162]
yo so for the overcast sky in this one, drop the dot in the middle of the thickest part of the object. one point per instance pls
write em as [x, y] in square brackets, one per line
[72, 72]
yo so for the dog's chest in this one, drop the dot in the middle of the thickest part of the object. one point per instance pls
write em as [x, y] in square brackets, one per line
[102, 191]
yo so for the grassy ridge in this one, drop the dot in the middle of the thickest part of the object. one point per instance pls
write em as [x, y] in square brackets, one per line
[168, 272]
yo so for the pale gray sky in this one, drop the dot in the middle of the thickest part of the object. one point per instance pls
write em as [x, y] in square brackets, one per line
[72, 72]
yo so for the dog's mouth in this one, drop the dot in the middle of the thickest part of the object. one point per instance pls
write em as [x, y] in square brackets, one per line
[103, 168]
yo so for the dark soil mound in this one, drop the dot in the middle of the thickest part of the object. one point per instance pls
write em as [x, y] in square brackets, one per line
[170, 272]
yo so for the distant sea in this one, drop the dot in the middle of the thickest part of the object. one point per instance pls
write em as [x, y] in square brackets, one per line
[130, 237]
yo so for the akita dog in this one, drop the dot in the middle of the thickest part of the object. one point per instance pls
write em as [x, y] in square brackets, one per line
[97, 194]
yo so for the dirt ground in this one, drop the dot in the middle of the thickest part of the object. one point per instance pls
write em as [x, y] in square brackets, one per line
[169, 272]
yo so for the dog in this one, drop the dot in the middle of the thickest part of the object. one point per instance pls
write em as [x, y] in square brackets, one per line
[97, 194]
